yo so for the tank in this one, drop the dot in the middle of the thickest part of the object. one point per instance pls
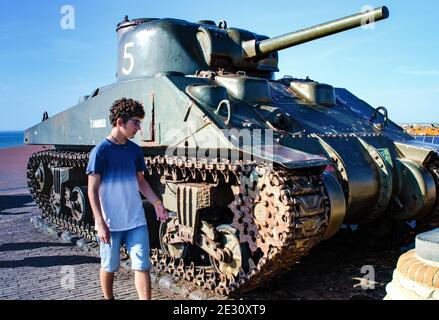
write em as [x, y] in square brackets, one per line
[254, 171]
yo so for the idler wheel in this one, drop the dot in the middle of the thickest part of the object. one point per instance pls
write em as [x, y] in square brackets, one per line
[229, 240]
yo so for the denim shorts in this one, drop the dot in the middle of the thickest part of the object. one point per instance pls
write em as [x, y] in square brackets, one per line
[137, 243]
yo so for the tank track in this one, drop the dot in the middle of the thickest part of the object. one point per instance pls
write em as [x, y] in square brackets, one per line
[279, 214]
[42, 199]
[292, 216]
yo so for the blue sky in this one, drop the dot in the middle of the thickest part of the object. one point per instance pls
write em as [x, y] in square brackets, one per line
[44, 67]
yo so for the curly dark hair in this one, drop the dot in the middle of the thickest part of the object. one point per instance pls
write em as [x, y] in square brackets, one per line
[125, 108]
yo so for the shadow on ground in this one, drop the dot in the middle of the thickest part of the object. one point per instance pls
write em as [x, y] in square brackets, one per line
[344, 267]
[19, 202]
[30, 245]
[49, 261]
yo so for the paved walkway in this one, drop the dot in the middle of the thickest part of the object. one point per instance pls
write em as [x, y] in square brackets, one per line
[34, 265]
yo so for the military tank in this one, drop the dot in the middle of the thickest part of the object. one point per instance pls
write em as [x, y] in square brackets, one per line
[254, 171]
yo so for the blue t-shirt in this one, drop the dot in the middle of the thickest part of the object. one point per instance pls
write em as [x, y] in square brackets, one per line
[119, 190]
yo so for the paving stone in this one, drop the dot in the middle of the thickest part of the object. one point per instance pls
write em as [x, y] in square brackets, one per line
[37, 265]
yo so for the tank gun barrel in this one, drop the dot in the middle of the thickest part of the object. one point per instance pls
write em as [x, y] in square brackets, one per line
[253, 48]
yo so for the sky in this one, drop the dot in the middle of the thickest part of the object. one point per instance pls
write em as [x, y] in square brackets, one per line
[46, 67]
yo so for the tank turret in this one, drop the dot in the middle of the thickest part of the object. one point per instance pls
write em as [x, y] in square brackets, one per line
[150, 46]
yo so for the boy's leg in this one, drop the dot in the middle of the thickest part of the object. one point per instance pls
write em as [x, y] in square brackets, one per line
[107, 280]
[110, 260]
[137, 243]
[142, 280]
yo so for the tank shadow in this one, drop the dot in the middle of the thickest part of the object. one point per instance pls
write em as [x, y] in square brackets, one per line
[18, 202]
[45, 261]
[341, 268]
[30, 245]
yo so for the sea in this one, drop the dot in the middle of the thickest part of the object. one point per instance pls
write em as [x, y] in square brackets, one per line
[9, 139]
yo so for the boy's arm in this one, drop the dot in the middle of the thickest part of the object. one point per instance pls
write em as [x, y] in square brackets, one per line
[94, 180]
[149, 194]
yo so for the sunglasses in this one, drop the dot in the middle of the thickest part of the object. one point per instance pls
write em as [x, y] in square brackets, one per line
[136, 122]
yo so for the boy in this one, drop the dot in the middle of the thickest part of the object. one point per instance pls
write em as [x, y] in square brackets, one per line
[115, 175]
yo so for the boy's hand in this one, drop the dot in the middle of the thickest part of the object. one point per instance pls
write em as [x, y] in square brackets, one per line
[103, 232]
[160, 211]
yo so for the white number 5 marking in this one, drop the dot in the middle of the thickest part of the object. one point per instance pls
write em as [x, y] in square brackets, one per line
[128, 56]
